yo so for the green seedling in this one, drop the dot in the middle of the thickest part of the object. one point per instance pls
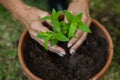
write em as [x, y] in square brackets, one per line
[62, 30]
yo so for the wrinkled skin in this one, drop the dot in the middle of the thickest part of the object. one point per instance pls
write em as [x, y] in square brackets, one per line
[76, 7]
[30, 18]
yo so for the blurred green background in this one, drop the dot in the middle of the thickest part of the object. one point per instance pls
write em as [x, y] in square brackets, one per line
[107, 12]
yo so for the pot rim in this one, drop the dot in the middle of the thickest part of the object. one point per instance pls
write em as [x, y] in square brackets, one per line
[95, 77]
[110, 51]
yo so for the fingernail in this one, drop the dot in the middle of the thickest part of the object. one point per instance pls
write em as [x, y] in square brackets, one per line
[72, 52]
[61, 54]
[69, 45]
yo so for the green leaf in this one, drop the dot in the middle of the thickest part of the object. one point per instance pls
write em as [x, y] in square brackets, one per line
[58, 14]
[82, 26]
[64, 30]
[78, 18]
[46, 42]
[46, 37]
[56, 27]
[53, 12]
[53, 42]
[72, 29]
[61, 37]
[69, 16]
[42, 35]
[46, 18]
[65, 27]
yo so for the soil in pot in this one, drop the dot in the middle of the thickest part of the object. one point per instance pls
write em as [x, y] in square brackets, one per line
[88, 60]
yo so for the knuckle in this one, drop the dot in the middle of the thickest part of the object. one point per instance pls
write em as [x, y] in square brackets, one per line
[35, 25]
[46, 13]
[32, 33]
[84, 18]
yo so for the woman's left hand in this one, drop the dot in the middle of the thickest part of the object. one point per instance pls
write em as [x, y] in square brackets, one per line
[76, 7]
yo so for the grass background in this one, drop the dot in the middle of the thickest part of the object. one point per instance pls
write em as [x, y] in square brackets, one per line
[106, 12]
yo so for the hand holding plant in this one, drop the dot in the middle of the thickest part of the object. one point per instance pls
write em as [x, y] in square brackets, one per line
[62, 31]
[31, 19]
[76, 7]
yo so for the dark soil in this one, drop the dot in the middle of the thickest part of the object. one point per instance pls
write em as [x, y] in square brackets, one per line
[88, 60]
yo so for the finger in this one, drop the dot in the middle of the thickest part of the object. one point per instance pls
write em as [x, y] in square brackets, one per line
[43, 14]
[65, 20]
[38, 27]
[56, 49]
[84, 18]
[78, 43]
[89, 22]
[78, 34]
[47, 21]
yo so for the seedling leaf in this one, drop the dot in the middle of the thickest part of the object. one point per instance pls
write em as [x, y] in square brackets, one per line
[46, 18]
[53, 42]
[56, 27]
[53, 12]
[69, 16]
[82, 26]
[61, 37]
[78, 18]
[72, 29]
[46, 42]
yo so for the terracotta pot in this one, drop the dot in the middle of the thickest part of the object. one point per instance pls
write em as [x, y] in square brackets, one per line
[31, 76]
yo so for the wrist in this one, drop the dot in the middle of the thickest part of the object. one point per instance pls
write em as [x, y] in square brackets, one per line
[18, 10]
[16, 7]
[85, 3]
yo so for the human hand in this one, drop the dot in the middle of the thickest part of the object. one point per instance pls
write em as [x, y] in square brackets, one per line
[76, 7]
[31, 19]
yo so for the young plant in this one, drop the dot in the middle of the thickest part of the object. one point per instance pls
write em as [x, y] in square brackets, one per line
[75, 23]
[62, 31]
